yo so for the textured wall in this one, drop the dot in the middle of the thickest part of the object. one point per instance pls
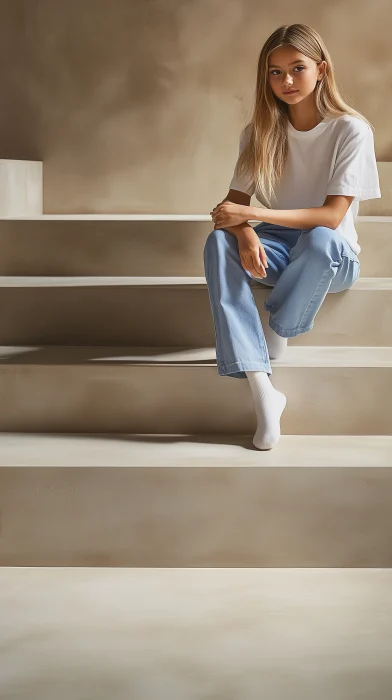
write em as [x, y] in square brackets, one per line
[136, 105]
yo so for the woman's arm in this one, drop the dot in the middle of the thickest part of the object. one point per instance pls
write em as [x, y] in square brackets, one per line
[295, 218]
[237, 197]
[330, 214]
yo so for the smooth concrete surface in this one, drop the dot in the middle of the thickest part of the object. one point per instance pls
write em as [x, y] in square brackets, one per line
[183, 634]
[168, 311]
[65, 218]
[134, 110]
[376, 246]
[196, 517]
[35, 282]
[21, 187]
[175, 450]
[134, 245]
[343, 391]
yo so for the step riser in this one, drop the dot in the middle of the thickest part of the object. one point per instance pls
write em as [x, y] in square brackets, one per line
[134, 248]
[159, 316]
[190, 400]
[21, 187]
[215, 517]
[376, 249]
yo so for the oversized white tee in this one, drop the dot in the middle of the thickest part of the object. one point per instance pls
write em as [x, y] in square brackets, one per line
[335, 157]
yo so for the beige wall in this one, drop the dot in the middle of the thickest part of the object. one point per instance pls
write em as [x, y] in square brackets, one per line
[136, 105]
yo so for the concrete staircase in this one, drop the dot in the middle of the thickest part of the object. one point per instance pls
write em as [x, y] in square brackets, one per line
[107, 359]
[215, 570]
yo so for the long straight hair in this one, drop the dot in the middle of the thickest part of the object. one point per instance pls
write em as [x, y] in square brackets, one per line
[265, 136]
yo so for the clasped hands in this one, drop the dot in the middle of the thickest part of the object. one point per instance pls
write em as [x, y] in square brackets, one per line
[230, 214]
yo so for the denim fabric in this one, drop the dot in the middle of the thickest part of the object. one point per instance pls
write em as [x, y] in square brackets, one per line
[303, 266]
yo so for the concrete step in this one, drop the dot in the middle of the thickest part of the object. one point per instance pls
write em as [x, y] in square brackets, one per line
[375, 239]
[195, 501]
[149, 245]
[21, 187]
[183, 451]
[188, 634]
[330, 390]
[170, 311]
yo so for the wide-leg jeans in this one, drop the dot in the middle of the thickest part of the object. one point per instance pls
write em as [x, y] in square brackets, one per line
[303, 266]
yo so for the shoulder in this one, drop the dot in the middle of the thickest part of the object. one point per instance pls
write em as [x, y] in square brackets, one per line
[350, 126]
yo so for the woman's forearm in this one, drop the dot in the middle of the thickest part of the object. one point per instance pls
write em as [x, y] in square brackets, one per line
[295, 218]
[237, 230]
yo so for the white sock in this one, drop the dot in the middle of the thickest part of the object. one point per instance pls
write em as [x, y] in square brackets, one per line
[276, 343]
[269, 404]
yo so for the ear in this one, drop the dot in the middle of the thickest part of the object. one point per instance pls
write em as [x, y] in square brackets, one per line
[323, 72]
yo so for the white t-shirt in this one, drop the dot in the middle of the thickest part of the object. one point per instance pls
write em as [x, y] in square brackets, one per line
[335, 157]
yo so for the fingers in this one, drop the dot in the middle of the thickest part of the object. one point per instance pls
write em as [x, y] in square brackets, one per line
[253, 265]
[259, 267]
[263, 257]
[215, 209]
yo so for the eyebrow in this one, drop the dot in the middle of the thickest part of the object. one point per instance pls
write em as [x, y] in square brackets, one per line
[299, 60]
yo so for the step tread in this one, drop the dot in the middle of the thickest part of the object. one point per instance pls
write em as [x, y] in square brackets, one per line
[19, 160]
[30, 281]
[295, 356]
[148, 217]
[156, 450]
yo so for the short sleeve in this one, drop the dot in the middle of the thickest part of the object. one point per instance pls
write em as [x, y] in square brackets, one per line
[243, 182]
[355, 171]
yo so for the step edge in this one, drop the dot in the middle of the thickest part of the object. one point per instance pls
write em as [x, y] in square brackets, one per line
[170, 281]
[152, 217]
[370, 356]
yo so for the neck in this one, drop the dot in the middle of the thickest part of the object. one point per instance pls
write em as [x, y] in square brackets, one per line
[304, 116]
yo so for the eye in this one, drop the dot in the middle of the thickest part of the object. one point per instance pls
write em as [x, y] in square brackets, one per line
[275, 69]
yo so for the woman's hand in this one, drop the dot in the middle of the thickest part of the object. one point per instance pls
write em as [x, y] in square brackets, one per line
[228, 214]
[252, 253]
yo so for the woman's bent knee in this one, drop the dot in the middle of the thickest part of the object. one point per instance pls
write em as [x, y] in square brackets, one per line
[217, 237]
[321, 237]
[321, 241]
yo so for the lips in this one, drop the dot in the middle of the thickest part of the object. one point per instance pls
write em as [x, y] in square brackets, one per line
[291, 92]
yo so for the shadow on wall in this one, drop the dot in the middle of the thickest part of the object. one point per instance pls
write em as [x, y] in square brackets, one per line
[77, 68]
[136, 106]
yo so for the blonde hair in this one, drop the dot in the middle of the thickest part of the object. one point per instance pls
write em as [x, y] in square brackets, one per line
[265, 136]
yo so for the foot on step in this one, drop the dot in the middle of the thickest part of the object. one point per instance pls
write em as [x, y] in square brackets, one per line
[269, 404]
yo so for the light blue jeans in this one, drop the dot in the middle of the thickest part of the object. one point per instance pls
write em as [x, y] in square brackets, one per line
[303, 265]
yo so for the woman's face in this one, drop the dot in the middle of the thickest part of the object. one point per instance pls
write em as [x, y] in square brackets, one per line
[289, 69]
